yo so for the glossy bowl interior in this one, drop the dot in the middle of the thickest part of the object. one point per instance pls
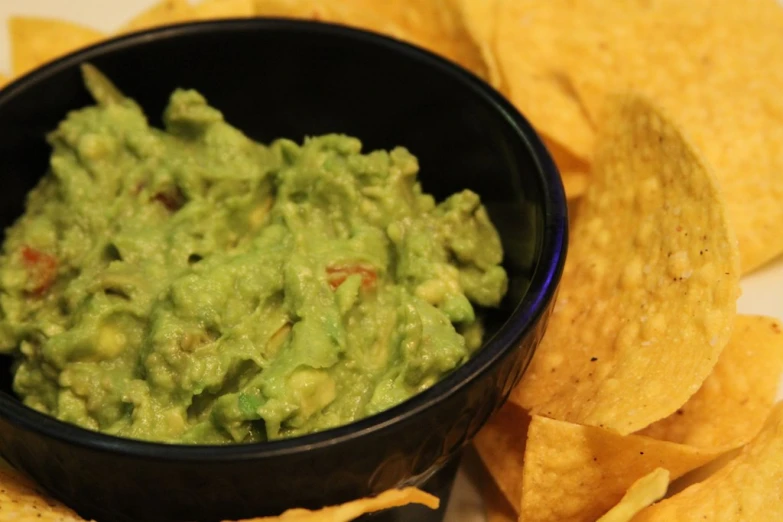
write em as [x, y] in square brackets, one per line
[274, 78]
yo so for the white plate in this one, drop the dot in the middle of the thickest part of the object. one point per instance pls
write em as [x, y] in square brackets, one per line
[762, 291]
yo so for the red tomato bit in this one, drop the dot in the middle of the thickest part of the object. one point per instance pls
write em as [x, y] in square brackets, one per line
[338, 275]
[41, 268]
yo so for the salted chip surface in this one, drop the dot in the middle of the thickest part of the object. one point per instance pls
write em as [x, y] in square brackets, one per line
[434, 24]
[214, 9]
[525, 43]
[496, 507]
[164, 12]
[480, 20]
[732, 405]
[352, 510]
[576, 473]
[36, 41]
[648, 294]
[641, 494]
[574, 171]
[501, 446]
[22, 501]
[750, 487]
[703, 69]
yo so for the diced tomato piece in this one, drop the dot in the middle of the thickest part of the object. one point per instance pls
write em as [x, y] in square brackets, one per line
[338, 275]
[41, 267]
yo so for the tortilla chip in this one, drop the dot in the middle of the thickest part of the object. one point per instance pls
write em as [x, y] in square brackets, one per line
[648, 294]
[525, 43]
[732, 405]
[577, 473]
[574, 171]
[501, 446]
[21, 500]
[641, 494]
[747, 488]
[4, 80]
[165, 12]
[36, 41]
[352, 510]
[480, 20]
[212, 9]
[433, 24]
[575, 183]
[496, 507]
[701, 77]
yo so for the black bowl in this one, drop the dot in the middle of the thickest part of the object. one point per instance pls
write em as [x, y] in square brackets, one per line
[276, 78]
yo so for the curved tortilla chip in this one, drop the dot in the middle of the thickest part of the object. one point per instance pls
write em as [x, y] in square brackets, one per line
[701, 77]
[641, 494]
[36, 41]
[165, 12]
[433, 24]
[648, 294]
[732, 405]
[496, 507]
[577, 473]
[574, 171]
[480, 20]
[213, 9]
[501, 447]
[21, 500]
[525, 43]
[575, 183]
[352, 510]
[747, 488]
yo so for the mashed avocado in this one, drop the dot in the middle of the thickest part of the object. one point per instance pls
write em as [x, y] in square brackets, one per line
[192, 285]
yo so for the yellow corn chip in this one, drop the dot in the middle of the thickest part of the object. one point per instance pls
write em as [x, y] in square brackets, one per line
[573, 170]
[501, 446]
[576, 473]
[36, 41]
[211, 9]
[307, 9]
[432, 24]
[703, 69]
[731, 406]
[480, 20]
[524, 43]
[352, 510]
[164, 12]
[647, 297]
[21, 500]
[3, 80]
[575, 183]
[564, 158]
[748, 488]
[496, 507]
[641, 494]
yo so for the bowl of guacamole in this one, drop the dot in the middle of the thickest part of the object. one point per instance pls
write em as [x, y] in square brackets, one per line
[190, 285]
[262, 256]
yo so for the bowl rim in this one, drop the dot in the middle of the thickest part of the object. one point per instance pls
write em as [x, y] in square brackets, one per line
[524, 317]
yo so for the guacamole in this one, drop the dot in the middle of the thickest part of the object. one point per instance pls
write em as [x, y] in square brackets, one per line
[191, 285]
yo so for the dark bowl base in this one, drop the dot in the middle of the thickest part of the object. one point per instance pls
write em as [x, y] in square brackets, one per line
[440, 485]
